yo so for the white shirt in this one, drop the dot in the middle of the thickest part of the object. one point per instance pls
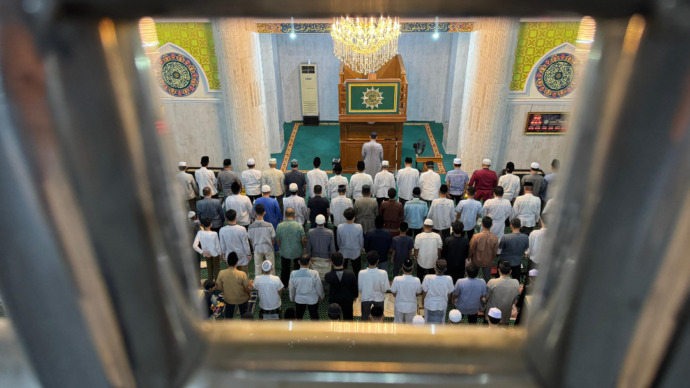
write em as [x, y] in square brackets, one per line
[189, 186]
[408, 179]
[373, 283]
[209, 242]
[305, 286]
[316, 177]
[206, 178]
[383, 181]
[333, 184]
[437, 289]
[499, 210]
[535, 244]
[268, 287]
[430, 183]
[261, 234]
[527, 208]
[511, 186]
[428, 245]
[233, 238]
[296, 203]
[442, 212]
[242, 205]
[406, 288]
[357, 181]
[338, 206]
[251, 180]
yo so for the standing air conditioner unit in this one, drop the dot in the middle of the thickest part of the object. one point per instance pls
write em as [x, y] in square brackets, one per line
[309, 92]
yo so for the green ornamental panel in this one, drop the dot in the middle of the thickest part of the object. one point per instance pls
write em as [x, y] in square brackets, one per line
[373, 98]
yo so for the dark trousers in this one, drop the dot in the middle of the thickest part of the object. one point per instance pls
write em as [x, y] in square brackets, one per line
[285, 264]
[456, 198]
[254, 197]
[415, 232]
[280, 201]
[443, 233]
[472, 318]
[366, 308]
[457, 273]
[380, 200]
[313, 311]
[469, 234]
[191, 203]
[346, 307]
[212, 267]
[487, 273]
[516, 272]
[230, 309]
[356, 265]
[402, 200]
[421, 272]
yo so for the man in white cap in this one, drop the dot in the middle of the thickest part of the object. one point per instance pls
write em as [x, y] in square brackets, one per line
[262, 238]
[241, 204]
[427, 249]
[408, 179]
[494, 317]
[297, 177]
[436, 290]
[430, 183]
[383, 181]
[320, 245]
[251, 180]
[296, 203]
[455, 317]
[316, 177]
[359, 180]
[418, 320]
[499, 210]
[484, 181]
[269, 288]
[273, 213]
[405, 288]
[276, 180]
[456, 180]
[206, 178]
[372, 154]
[502, 293]
[189, 186]
[234, 238]
[538, 186]
[335, 182]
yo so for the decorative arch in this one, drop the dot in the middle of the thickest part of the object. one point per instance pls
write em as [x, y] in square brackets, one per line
[530, 86]
[202, 78]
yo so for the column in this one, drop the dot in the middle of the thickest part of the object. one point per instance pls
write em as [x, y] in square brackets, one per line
[484, 103]
[239, 64]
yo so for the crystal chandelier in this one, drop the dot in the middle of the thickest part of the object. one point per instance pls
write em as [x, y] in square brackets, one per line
[366, 44]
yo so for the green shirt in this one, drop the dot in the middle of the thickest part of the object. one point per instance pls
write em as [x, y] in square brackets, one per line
[289, 234]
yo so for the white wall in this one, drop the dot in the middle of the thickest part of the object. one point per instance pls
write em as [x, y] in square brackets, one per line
[195, 129]
[456, 86]
[272, 92]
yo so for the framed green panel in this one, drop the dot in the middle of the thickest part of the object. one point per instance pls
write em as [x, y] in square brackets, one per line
[372, 98]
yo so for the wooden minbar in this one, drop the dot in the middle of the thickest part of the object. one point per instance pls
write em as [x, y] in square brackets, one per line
[377, 103]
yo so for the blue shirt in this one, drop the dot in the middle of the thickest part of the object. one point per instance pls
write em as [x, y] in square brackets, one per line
[402, 245]
[317, 205]
[513, 247]
[456, 180]
[469, 209]
[469, 291]
[211, 208]
[415, 213]
[378, 240]
[350, 240]
[273, 213]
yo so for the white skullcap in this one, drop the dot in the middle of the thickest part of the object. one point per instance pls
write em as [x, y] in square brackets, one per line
[495, 313]
[182, 164]
[429, 222]
[457, 161]
[384, 163]
[455, 316]
[533, 272]
[265, 189]
[293, 187]
[266, 266]
[534, 165]
[320, 219]
[418, 320]
[272, 161]
[251, 162]
[486, 162]
[191, 215]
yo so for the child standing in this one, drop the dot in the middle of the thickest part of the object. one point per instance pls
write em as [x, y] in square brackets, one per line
[210, 248]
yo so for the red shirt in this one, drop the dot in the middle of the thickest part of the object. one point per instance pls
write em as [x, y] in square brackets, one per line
[484, 181]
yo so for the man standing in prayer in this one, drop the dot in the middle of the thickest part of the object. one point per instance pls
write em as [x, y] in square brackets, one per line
[372, 154]
[351, 240]
[510, 183]
[335, 182]
[456, 180]
[436, 289]
[269, 288]
[392, 212]
[455, 250]
[551, 181]
[316, 177]
[430, 183]
[297, 204]
[306, 290]
[527, 208]
[273, 213]
[261, 237]
[502, 293]
[291, 241]
[275, 179]
[206, 244]
[427, 249]
[416, 211]
[234, 238]
[538, 186]
[320, 245]
[251, 180]
[366, 209]
[499, 210]
[241, 204]
[359, 180]
[468, 211]
[373, 284]
[484, 181]
[342, 286]
[513, 247]
[402, 246]
[442, 212]
[468, 294]
[205, 177]
[536, 241]
[338, 206]
[189, 186]
[408, 179]
[405, 288]
[296, 177]
[235, 286]
[227, 177]
[210, 208]
[383, 181]
[379, 240]
[318, 205]
[483, 248]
